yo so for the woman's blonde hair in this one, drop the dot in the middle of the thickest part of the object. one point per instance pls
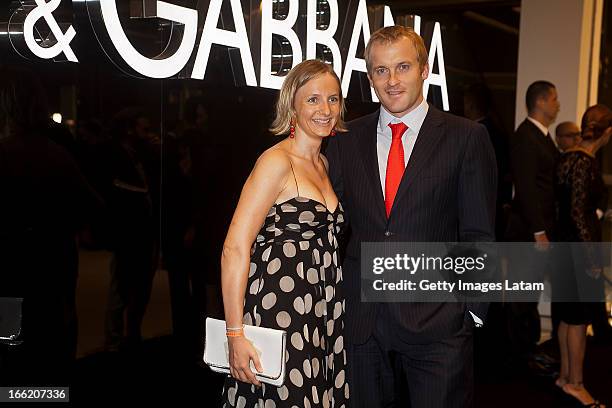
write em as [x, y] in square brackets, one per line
[297, 78]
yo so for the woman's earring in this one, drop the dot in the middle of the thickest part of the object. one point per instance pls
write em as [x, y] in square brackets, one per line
[292, 131]
[333, 132]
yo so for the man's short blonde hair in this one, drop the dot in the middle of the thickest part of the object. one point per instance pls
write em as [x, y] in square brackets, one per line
[388, 35]
[297, 78]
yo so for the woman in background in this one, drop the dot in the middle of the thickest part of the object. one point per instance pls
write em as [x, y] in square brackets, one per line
[579, 189]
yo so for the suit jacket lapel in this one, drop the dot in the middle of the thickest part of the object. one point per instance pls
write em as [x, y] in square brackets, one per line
[369, 154]
[543, 140]
[430, 134]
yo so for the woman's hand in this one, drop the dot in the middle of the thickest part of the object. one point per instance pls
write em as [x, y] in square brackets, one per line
[241, 352]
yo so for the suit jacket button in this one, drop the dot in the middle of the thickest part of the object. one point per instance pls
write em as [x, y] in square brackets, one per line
[387, 234]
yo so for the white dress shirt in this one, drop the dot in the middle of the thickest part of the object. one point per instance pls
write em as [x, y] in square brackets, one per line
[540, 126]
[544, 130]
[413, 119]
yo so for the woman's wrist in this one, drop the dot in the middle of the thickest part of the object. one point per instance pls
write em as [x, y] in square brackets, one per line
[234, 330]
[234, 336]
[234, 333]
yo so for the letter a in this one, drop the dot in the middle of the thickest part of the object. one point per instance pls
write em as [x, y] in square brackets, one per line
[213, 35]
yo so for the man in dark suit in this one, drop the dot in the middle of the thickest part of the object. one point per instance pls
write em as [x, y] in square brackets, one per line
[410, 173]
[533, 161]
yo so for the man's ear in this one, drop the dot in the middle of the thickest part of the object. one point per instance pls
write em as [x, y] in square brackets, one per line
[425, 72]
[370, 79]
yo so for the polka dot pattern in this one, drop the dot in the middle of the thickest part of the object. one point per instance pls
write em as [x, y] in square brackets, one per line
[295, 284]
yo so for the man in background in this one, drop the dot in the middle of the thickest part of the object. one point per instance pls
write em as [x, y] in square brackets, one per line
[533, 162]
[567, 135]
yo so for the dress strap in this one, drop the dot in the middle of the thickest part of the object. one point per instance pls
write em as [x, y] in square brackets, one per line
[294, 178]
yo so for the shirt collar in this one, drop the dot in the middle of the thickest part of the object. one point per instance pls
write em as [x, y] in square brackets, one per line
[413, 119]
[540, 126]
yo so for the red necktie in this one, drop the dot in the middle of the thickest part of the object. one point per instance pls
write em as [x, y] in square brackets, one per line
[395, 164]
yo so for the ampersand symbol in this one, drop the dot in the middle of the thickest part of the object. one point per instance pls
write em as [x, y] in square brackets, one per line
[45, 10]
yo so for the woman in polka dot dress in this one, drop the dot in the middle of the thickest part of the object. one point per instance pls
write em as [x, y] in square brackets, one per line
[280, 266]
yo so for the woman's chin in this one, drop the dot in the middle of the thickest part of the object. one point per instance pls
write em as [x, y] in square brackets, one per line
[320, 132]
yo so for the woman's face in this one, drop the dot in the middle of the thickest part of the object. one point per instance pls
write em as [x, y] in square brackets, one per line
[317, 106]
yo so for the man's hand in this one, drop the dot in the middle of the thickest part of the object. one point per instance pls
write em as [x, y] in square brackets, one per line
[541, 242]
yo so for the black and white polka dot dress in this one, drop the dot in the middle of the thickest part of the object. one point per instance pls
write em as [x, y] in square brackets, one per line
[295, 284]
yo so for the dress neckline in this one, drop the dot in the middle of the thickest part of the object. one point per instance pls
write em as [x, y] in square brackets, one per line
[313, 200]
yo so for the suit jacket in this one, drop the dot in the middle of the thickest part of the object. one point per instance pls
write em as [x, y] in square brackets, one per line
[447, 194]
[533, 159]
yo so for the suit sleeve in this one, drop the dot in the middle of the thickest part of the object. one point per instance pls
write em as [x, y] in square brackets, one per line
[524, 169]
[477, 189]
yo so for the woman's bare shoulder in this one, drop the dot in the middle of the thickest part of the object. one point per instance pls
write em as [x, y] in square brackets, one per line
[274, 160]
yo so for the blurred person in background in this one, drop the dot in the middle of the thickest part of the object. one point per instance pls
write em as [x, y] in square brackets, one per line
[579, 188]
[567, 135]
[178, 230]
[533, 161]
[45, 202]
[131, 188]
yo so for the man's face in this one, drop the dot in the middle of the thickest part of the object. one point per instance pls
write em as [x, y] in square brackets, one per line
[568, 137]
[141, 128]
[396, 76]
[549, 105]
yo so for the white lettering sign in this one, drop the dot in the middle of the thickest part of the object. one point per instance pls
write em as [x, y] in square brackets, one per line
[151, 67]
[238, 39]
[269, 26]
[362, 25]
[438, 79]
[164, 66]
[62, 41]
[325, 37]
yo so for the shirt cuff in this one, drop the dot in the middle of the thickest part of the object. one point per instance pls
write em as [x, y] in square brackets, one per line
[539, 233]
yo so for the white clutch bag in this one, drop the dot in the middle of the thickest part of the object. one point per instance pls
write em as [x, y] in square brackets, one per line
[269, 343]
